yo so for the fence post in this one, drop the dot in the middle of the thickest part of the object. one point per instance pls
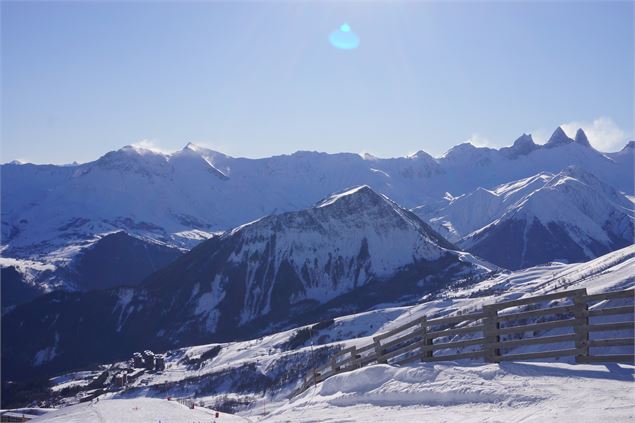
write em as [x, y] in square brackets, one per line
[426, 340]
[581, 329]
[334, 364]
[490, 333]
[354, 363]
[378, 351]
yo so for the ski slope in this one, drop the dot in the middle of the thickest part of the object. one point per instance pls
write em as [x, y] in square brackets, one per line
[137, 410]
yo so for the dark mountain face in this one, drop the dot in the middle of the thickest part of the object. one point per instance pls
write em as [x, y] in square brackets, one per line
[15, 290]
[544, 243]
[119, 259]
[349, 252]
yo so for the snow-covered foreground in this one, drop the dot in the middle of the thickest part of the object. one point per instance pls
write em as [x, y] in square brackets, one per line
[141, 410]
[453, 392]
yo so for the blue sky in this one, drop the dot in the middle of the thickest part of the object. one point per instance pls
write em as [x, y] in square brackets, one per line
[255, 79]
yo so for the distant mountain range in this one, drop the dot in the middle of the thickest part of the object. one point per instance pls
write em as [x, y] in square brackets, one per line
[348, 252]
[167, 203]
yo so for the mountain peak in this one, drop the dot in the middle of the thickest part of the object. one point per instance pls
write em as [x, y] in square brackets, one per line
[133, 158]
[362, 192]
[524, 139]
[419, 155]
[581, 138]
[522, 146]
[559, 137]
[191, 146]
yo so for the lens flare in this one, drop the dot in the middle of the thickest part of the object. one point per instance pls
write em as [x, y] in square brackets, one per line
[344, 38]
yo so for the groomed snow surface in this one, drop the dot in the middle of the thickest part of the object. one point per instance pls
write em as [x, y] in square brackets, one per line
[138, 410]
[451, 392]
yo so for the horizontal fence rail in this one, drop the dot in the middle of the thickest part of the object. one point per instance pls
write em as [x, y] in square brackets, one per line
[491, 333]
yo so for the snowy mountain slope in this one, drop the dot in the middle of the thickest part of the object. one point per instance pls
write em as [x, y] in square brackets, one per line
[573, 217]
[349, 252]
[179, 199]
[456, 217]
[275, 367]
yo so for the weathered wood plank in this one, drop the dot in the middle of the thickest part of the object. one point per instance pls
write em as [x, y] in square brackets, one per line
[457, 331]
[367, 347]
[612, 311]
[602, 327]
[403, 350]
[407, 337]
[538, 340]
[454, 344]
[538, 326]
[398, 329]
[541, 354]
[456, 319]
[629, 293]
[611, 342]
[535, 313]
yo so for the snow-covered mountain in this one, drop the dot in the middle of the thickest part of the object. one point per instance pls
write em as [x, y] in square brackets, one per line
[456, 217]
[352, 250]
[571, 216]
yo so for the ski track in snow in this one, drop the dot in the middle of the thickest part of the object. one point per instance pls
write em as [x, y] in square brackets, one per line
[138, 410]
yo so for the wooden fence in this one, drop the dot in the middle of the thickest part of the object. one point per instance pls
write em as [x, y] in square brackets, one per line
[491, 333]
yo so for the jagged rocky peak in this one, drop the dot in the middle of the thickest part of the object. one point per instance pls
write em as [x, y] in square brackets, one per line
[523, 140]
[521, 147]
[559, 137]
[581, 138]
